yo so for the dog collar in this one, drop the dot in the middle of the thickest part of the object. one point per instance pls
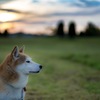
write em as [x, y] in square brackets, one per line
[24, 89]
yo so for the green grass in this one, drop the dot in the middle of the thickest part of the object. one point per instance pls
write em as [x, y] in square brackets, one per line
[71, 68]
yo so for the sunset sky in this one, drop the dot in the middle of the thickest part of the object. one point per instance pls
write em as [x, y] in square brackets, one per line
[39, 16]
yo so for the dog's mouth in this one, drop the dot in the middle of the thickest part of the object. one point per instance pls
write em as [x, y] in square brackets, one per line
[34, 71]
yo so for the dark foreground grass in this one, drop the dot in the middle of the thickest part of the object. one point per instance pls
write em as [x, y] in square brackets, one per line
[71, 67]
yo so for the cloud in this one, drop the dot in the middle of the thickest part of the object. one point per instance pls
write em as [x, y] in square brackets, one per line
[10, 10]
[89, 3]
[45, 1]
[79, 13]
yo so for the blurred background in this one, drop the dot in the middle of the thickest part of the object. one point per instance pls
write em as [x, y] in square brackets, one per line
[63, 36]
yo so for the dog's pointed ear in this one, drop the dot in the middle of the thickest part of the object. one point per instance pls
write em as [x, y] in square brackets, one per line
[15, 52]
[21, 50]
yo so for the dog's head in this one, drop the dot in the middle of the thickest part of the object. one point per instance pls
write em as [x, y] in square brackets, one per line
[23, 62]
[18, 63]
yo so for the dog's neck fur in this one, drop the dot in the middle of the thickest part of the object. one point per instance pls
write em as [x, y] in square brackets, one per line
[21, 82]
[15, 87]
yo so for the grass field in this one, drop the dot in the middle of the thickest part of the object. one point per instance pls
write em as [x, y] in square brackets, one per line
[71, 68]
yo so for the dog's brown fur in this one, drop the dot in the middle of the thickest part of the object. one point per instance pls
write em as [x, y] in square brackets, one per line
[7, 68]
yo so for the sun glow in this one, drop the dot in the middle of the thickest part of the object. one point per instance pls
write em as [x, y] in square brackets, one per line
[5, 17]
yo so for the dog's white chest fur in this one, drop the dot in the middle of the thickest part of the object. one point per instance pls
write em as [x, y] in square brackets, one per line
[12, 94]
[13, 91]
[22, 81]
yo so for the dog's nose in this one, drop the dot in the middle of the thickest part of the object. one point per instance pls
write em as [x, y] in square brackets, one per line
[40, 67]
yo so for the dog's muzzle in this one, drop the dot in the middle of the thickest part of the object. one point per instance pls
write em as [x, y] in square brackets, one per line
[36, 71]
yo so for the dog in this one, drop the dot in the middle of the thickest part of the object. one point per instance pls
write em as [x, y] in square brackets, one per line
[14, 72]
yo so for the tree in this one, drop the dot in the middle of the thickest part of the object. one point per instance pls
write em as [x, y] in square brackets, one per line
[60, 29]
[72, 30]
[6, 33]
[92, 30]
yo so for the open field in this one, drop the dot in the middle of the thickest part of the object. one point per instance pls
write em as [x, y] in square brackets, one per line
[71, 67]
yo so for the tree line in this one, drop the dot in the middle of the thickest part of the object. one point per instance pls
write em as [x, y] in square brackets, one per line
[91, 30]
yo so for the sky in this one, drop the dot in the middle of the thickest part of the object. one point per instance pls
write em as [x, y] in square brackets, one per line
[40, 16]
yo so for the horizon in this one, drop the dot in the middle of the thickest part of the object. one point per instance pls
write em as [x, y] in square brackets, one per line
[20, 15]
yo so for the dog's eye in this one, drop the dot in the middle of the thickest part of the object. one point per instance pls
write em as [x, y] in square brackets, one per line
[28, 61]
